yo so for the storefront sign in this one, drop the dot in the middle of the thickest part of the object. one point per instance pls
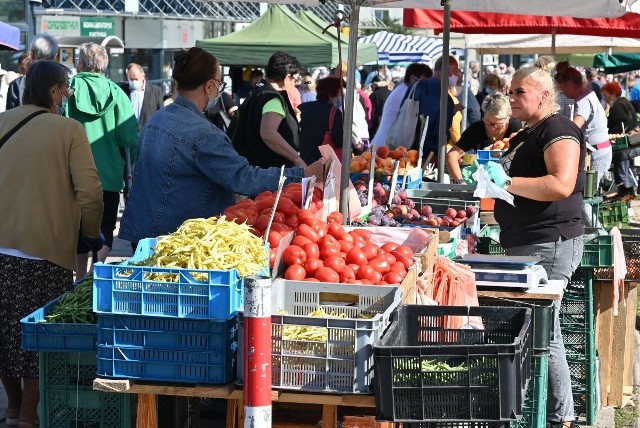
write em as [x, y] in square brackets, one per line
[61, 26]
[97, 27]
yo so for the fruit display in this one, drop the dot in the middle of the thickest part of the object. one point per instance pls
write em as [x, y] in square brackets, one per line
[385, 161]
[499, 145]
[326, 252]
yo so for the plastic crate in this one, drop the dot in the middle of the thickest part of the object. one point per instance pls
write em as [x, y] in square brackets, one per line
[67, 398]
[414, 178]
[598, 249]
[211, 367]
[487, 244]
[619, 143]
[344, 361]
[166, 333]
[631, 247]
[497, 361]
[534, 412]
[448, 249]
[542, 312]
[583, 384]
[614, 214]
[485, 156]
[41, 336]
[126, 289]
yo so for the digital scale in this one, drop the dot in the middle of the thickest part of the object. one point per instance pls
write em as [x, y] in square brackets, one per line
[505, 271]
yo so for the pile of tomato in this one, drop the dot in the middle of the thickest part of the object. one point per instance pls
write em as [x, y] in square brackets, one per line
[326, 252]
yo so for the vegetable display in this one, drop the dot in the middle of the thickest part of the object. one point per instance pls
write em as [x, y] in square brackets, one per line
[209, 244]
[75, 306]
[311, 333]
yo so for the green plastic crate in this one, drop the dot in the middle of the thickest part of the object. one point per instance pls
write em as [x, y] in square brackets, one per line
[68, 370]
[619, 143]
[614, 214]
[487, 244]
[583, 384]
[598, 250]
[534, 412]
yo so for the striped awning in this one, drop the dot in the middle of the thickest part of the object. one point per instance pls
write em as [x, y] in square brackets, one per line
[394, 48]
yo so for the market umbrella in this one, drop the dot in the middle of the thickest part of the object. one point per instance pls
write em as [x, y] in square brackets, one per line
[618, 62]
[9, 37]
[395, 48]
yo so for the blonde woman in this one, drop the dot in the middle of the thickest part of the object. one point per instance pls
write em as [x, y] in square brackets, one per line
[308, 88]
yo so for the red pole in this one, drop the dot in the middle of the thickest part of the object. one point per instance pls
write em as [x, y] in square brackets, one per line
[257, 355]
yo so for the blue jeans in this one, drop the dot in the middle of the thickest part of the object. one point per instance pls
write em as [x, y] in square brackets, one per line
[560, 260]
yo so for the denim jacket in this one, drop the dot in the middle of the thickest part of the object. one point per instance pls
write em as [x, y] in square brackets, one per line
[187, 168]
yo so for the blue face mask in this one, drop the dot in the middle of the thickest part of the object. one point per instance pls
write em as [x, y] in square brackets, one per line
[488, 91]
[135, 84]
[212, 102]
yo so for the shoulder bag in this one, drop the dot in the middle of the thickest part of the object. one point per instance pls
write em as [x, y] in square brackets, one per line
[328, 140]
[20, 125]
[403, 129]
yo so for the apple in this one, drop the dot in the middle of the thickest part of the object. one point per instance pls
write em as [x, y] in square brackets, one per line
[462, 214]
[445, 222]
[426, 210]
[451, 212]
[432, 222]
[471, 211]
[454, 223]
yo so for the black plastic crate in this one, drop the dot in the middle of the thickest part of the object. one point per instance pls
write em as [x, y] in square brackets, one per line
[489, 367]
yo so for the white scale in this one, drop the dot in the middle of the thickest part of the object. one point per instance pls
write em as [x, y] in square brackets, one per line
[505, 271]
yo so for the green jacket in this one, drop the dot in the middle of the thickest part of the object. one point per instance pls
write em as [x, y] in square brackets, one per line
[106, 113]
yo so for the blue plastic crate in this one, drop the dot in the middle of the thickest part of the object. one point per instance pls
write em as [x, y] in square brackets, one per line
[128, 289]
[212, 367]
[41, 336]
[485, 156]
[166, 333]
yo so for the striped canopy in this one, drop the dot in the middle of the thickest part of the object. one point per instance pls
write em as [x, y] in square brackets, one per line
[394, 48]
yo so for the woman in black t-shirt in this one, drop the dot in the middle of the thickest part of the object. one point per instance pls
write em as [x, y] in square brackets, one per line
[544, 170]
[496, 126]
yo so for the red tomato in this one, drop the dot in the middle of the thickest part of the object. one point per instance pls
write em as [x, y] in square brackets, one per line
[366, 234]
[316, 224]
[308, 232]
[304, 213]
[265, 202]
[312, 265]
[390, 258]
[291, 221]
[261, 223]
[348, 238]
[312, 250]
[272, 257]
[365, 272]
[336, 230]
[356, 256]
[358, 241]
[278, 217]
[389, 247]
[294, 255]
[347, 275]
[366, 282]
[353, 281]
[335, 217]
[325, 274]
[406, 261]
[327, 251]
[380, 264]
[345, 245]
[295, 273]
[328, 240]
[354, 267]
[393, 277]
[370, 250]
[274, 239]
[336, 263]
[300, 240]
[286, 207]
[399, 266]
[404, 250]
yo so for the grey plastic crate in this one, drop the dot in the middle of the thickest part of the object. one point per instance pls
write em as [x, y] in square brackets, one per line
[344, 361]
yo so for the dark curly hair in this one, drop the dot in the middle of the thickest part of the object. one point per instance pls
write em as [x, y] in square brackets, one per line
[280, 65]
[328, 87]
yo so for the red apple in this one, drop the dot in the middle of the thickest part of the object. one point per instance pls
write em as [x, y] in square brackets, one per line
[426, 210]
[451, 212]
[462, 214]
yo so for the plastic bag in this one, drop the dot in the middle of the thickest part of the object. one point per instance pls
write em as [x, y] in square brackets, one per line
[488, 189]
[403, 129]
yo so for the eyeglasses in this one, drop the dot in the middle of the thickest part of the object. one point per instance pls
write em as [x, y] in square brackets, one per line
[220, 85]
[297, 78]
[493, 125]
[306, 83]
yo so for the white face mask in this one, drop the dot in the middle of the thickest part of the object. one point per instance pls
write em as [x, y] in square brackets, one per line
[453, 80]
[135, 84]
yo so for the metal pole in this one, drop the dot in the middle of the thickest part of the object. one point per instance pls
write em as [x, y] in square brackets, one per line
[466, 85]
[444, 91]
[349, 99]
[257, 356]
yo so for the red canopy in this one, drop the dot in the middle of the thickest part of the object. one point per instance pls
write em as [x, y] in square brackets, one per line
[500, 23]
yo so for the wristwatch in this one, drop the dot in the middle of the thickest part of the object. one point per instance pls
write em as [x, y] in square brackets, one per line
[507, 183]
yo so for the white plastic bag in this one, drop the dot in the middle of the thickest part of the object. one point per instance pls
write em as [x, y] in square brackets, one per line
[488, 189]
[403, 129]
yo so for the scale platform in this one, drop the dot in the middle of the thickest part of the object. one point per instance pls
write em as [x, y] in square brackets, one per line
[497, 272]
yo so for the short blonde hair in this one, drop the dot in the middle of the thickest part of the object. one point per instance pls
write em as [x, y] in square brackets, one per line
[497, 104]
[94, 57]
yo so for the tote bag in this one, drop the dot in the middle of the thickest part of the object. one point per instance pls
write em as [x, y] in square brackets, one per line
[403, 129]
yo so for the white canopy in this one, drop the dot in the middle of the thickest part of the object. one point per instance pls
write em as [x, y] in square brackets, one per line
[542, 43]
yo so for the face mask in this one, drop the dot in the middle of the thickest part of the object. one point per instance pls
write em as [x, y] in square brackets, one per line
[489, 91]
[212, 102]
[453, 80]
[135, 84]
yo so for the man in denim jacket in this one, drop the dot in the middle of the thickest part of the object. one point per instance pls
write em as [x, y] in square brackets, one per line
[187, 168]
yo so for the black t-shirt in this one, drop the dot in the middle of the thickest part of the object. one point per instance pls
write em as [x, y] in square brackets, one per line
[536, 222]
[475, 137]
